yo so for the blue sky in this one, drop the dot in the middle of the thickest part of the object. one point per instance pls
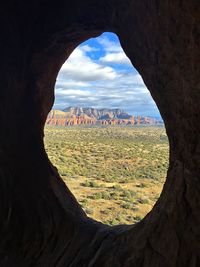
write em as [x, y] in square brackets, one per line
[98, 74]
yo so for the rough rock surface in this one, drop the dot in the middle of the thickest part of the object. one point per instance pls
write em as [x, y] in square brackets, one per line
[41, 222]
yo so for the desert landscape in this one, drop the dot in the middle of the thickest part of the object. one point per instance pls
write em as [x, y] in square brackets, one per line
[115, 172]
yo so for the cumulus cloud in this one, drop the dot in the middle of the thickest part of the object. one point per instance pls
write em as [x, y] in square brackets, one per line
[80, 67]
[113, 94]
[69, 83]
[118, 58]
[87, 48]
[85, 82]
[72, 92]
[110, 46]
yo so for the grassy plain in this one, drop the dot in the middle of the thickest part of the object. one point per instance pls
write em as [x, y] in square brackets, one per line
[116, 173]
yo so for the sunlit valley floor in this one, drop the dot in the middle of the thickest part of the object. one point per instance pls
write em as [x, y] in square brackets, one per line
[116, 173]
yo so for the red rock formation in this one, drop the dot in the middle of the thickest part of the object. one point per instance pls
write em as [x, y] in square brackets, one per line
[60, 118]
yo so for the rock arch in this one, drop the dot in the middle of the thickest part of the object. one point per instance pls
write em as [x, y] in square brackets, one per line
[41, 223]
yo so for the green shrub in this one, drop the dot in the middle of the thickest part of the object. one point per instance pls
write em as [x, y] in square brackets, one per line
[88, 183]
[117, 187]
[89, 211]
[137, 218]
[143, 200]
[127, 205]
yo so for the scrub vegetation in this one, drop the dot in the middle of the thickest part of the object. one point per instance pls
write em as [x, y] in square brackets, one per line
[116, 173]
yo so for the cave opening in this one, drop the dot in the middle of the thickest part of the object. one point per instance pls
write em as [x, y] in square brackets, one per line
[105, 134]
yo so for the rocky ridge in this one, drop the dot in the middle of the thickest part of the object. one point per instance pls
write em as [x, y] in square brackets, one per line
[91, 116]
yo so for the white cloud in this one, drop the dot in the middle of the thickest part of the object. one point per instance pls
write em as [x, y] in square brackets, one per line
[113, 94]
[70, 83]
[109, 46]
[80, 67]
[130, 79]
[85, 82]
[72, 92]
[119, 58]
[87, 48]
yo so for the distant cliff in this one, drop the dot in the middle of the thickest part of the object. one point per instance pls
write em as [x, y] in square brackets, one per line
[98, 114]
[92, 116]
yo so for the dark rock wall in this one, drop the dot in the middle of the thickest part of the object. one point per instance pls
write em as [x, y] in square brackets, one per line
[41, 223]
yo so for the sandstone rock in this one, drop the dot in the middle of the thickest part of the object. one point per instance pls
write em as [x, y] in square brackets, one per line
[90, 116]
